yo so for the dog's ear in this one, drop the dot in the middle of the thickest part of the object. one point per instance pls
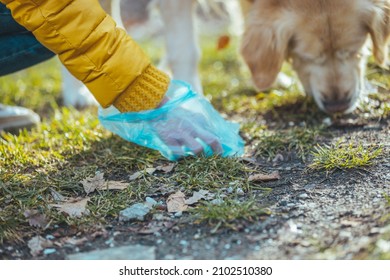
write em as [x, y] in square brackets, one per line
[264, 48]
[379, 28]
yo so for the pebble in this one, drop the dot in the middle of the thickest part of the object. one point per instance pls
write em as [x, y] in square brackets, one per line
[178, 214]
[303, 196]
[327, 121]
[183, 243]
[135, 212]
[150, 202]
[132, 252]
[229, 190]
[169, 257]
[283, 203]
[49, 251]
[310, 186]
[217, 201]
[227, 246]
[383, 245]
[240, 191]
[197, 236]
[50, 237]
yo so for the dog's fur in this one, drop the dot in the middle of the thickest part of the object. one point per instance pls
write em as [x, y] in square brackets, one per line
[323, 39]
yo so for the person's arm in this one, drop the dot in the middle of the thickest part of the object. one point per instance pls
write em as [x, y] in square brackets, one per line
[95, 51]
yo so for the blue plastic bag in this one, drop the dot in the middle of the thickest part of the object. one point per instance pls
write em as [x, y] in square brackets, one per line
[187, 124]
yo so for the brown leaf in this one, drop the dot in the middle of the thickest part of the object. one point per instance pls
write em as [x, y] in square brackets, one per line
[176, 202]
[91, 184]
[35, 218]
[116, 185]
[74, 240]
[97, 182]
[74, 208]
[37, 244]
[202, 194]
[138, 174]
[166, 168]
[223, 42]
[274, 176]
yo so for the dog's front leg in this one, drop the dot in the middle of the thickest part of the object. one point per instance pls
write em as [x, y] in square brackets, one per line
[75, 93]
[183, 50]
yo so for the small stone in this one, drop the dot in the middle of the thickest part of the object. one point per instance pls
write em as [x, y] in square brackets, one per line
[229, 190]
[135, 212]
[310, 186]
[345, 234]
[183, 243]
[169, 257]
[303, 196]
[133, 252]
[283, 203]
[49, 251]
[150, 202]
[197, 236]
[158, 217]
[383, 245]
[227, 246]
[178, 214]
[217, 201]
[240, 192]
[50, 237]
[375, 230]
[327, 121]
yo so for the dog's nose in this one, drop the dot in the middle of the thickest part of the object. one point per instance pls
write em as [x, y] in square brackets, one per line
[339, 106]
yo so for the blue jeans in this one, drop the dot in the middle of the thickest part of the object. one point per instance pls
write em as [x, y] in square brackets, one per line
[18, 47]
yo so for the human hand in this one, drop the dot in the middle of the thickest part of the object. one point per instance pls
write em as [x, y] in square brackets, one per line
[184, 124]
[187, 133]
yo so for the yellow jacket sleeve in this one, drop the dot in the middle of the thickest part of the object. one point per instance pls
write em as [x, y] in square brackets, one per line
[94, 50]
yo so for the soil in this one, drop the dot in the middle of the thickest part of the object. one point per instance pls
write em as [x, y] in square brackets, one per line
[315, 215]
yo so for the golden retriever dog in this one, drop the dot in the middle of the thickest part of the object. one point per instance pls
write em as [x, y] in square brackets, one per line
[323, 39]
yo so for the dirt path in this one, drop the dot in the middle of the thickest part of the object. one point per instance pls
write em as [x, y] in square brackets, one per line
[315, 215]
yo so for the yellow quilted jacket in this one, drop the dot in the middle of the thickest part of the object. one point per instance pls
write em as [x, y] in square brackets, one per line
[102, 56]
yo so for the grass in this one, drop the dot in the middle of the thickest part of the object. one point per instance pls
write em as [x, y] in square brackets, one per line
[69, 146]
[228, 212]
[344, 156]
[301, 140]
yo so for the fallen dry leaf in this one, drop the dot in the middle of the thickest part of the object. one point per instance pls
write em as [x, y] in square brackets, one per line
[57, 196]
[138, 174]
[202, 194]
[74, 241]
[37, 244]
[166, 168]
[91, 184]
[97, 182]
[176, 202]
[116, 185]
[35, 218]
[223, 42]
[74, 208]
[274, 176]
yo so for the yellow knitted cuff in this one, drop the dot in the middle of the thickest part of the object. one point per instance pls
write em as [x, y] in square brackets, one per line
[145, 93]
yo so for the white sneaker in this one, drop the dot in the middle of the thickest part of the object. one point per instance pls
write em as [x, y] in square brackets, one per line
[13, 118]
